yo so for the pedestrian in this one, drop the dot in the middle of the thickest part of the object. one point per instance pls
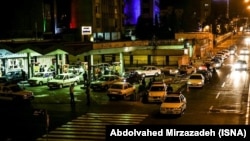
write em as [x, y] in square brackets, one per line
[85, 77]
[143, 81]
[71, 92]
[142, 91]
[87, 94]
[169, 88]
[23, 75]
[150, 83]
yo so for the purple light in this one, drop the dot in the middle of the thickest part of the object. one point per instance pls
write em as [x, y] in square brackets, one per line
[132, 11]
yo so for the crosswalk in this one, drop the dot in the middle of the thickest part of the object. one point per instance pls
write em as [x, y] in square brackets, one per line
[91, 127]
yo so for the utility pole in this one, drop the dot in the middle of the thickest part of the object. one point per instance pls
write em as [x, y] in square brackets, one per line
[227, 15]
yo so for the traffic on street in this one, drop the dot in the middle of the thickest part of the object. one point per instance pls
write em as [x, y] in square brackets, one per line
[222, 98]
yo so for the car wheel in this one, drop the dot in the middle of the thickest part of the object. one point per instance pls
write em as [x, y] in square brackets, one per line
[40, 83]
[60, 86]
[124, 97]
[106, 87]
[75, 83]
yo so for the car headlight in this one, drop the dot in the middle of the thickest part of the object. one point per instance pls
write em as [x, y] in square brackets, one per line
[179, 108]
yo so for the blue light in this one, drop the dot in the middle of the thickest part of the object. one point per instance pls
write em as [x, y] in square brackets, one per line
[132, 11]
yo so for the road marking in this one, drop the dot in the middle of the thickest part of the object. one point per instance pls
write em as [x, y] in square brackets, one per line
[91, 126]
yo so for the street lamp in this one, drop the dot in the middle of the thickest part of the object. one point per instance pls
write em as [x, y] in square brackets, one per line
[227, 9]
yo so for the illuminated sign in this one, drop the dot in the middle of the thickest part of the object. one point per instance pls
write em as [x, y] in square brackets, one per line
[86, 30]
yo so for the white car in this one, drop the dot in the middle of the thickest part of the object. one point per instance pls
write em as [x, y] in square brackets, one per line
[63, 80]
[196, 80]
[187, 69]
[40, 78]
[149, 71]
[174, 104]
[174, 71]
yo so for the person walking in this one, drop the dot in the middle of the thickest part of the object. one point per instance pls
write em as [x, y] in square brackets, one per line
[169, 88]
[88, 94]
[71, 92]
[23, 75]
[85, 77]
[143, 81]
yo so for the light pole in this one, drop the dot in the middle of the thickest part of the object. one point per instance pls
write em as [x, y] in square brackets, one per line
[227, 16]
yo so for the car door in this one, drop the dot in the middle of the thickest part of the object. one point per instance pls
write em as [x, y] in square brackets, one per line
[66, 80]
[150, 71]
[130, 89]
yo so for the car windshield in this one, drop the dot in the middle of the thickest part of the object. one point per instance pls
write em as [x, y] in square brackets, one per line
[104, 78]
[183, 67]
[195, 77]
[38, 75]
[116, 86]
[59, 77]
[157, 88]
[10, 73]
[144, 68]
[172, 100]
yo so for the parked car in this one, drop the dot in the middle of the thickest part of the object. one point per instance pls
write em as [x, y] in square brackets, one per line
[14, 92]
[187, 69]
[175, 103]
[206, 73]
[14, 76]
[104, 82]
[232, 49]
[217, 63]
[121, 90]
[149, 71]
[174, 71]
[170, 70]
[40, 78]
[196, 80]
[157, 92]
[63, 80]
[227, 52]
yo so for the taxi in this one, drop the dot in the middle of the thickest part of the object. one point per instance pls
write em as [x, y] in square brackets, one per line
[175, 103]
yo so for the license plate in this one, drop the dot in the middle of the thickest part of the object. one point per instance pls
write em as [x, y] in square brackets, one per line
[169, 112]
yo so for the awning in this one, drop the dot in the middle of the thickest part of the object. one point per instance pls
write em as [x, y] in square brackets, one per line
[56, 52]
[5, 53]
[30, 51]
